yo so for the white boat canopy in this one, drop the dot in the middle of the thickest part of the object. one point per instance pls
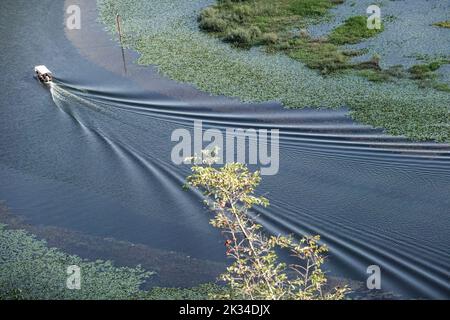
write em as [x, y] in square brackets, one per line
[42, 70]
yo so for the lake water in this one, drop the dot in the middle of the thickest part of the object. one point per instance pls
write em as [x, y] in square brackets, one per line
[93, 155]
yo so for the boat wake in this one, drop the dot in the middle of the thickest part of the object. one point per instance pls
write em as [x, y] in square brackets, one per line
[374, 198]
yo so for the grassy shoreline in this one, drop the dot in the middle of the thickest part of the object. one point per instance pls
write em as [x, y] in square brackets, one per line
[169, 37]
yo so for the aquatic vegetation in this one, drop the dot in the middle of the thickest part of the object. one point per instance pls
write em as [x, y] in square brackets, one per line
[31, 270]
[426, 71]
[278, 24]
[323, 56]
[442, 24]
[441, 86]
[307, 8]
[374, 76]
[425, 74]
[249, 23]
[353, 30]
[172, 41]
[383, 75]
[242, 37]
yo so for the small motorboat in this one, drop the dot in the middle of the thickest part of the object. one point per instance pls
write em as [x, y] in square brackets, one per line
[43, 74]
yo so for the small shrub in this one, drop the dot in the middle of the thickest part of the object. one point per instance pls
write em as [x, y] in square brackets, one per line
[304, 33]
[212, 24]
[270, 38]
[208, 12]
[240, 37]
[255, 33]
[256, 272]
[242, 12]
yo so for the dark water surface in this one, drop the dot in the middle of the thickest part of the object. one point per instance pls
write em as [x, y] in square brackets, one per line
[93, 155]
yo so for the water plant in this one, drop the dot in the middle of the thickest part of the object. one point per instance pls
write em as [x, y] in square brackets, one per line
[353, 30]
[442, 24]
[172, 41]
[31, 270]
[426, 70]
